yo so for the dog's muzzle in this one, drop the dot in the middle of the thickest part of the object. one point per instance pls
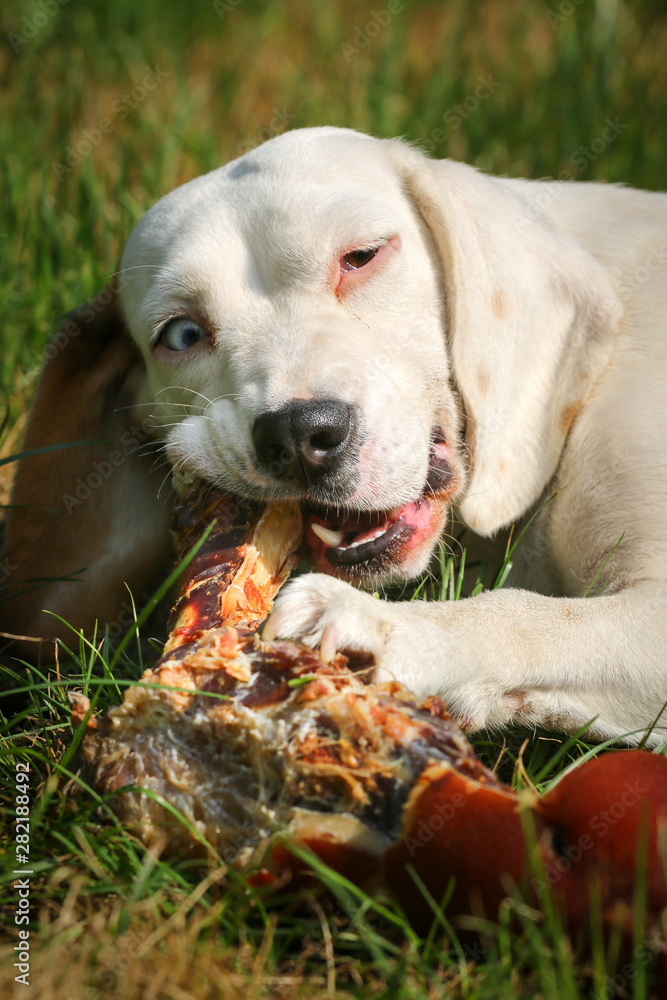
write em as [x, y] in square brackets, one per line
[306, 440]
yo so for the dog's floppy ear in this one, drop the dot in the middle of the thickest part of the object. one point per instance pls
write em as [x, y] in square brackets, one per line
[532, 318]
[87, 515]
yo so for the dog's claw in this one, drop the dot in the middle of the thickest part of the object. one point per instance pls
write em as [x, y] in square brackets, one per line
[322, 611]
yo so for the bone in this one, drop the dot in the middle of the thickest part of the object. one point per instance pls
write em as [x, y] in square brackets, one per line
[253, 741]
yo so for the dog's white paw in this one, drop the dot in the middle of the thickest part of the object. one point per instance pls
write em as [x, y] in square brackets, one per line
[322, 611]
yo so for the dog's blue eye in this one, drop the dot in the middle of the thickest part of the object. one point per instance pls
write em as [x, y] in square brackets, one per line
[181, 333]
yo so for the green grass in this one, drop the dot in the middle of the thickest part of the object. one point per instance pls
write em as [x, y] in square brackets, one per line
[101, 896]
[114, 920]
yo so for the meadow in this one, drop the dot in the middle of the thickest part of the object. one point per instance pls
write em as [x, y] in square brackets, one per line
[103, 109]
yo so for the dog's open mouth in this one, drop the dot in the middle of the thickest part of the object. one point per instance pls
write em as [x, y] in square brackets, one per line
[362, 544]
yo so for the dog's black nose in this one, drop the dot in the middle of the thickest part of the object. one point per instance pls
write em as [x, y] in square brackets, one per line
[303, 440]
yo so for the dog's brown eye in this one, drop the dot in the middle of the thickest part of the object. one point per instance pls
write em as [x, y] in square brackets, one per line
[181, 333]
[357, 258]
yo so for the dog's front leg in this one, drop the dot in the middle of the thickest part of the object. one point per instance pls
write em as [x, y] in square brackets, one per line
[507, 655]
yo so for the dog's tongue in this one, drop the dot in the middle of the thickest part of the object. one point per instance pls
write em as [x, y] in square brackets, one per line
[357, 527]
[353, 528]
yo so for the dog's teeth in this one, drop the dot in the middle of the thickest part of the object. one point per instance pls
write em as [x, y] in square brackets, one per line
[181, 480]
[329, 537]
[334, 538]
[378, 533]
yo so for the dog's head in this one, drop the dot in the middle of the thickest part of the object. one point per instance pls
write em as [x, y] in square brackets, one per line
[291, 314]
[338, 319]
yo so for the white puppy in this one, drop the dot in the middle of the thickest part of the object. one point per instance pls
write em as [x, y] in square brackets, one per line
[339, 319]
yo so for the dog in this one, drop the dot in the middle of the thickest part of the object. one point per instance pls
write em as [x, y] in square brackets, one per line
[339, 319]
